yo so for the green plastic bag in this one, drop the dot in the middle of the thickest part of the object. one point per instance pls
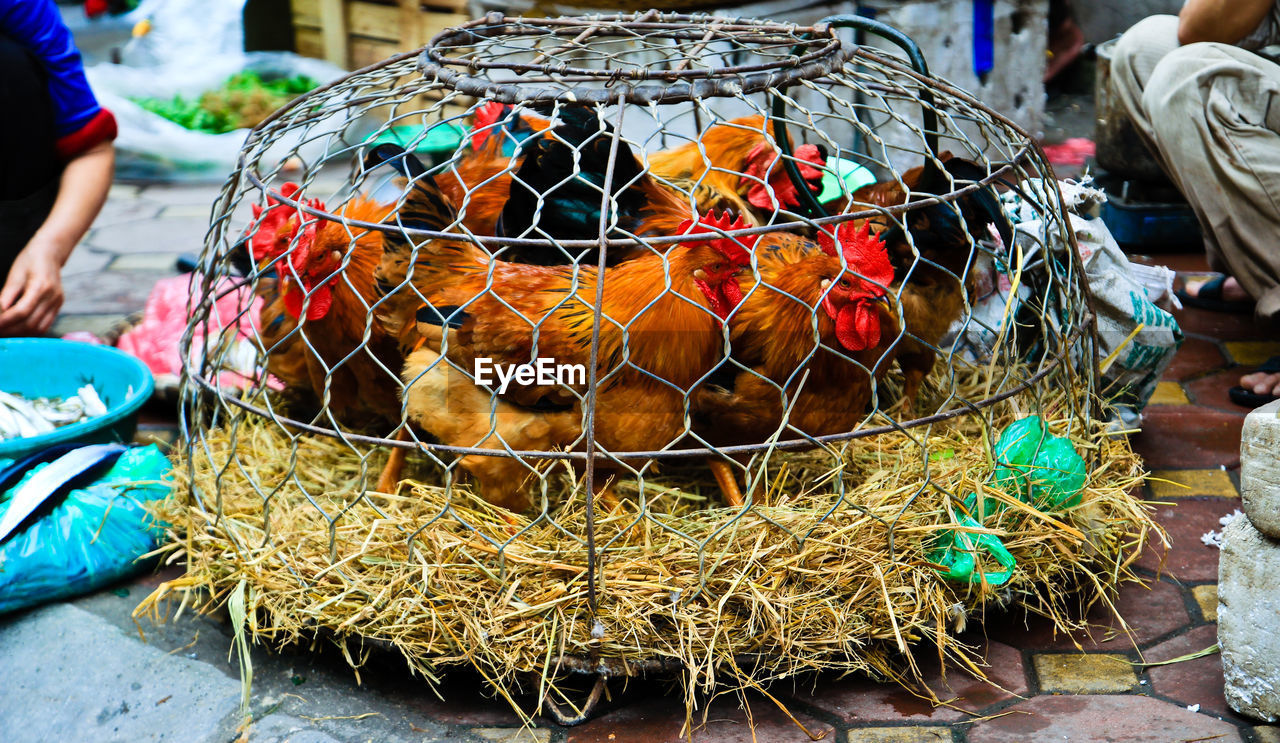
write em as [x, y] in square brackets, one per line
[1028, 461]
[1045, 467]
[957, 552]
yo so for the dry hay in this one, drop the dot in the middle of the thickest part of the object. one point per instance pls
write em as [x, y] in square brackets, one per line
[804, 582]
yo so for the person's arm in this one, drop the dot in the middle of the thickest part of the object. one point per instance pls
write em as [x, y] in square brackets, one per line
[32, 295]
[1223, 21]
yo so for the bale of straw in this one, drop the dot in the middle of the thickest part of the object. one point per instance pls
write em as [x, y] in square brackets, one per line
[828, 570]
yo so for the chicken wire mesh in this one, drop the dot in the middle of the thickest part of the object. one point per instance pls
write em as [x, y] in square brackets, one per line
[696, 310]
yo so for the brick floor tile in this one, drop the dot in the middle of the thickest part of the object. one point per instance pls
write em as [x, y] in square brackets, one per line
[1207, 597]
[1168, 393]
[159, 262]
[659, 719]
[1183, 262]
[1151, 610]
[1101, 719]
[1186, 521]
[85, 260]
[1196, 681]
[1211, 391]
[1079, 673]
[1186, 483]
[863, 700]
[121, 211]
[856, 700]
[100, 324]
[1189, 436]
[913, 734]
[1196, 356]
[512, 735]
[1220, 325]
[203, 193]
[175, 234]
[1252, 353]
[109, 292]
[202, 211]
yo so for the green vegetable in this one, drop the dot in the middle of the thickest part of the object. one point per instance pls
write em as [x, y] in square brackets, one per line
[243, 101]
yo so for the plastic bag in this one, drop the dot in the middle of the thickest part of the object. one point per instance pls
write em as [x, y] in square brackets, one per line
[1028, 462]
[89, 538]
[1045, 467]
[957, 552]
[193, 46]
[1137, 336]
[155, 339]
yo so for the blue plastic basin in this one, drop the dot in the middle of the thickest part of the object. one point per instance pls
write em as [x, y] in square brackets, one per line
[48, 367]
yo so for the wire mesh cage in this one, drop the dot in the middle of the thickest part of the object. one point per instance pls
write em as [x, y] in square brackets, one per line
[701, 343]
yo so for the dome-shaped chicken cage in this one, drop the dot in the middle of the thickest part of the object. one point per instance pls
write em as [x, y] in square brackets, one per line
[608, 344]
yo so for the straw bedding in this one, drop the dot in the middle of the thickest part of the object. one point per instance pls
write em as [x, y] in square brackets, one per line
[804, 580]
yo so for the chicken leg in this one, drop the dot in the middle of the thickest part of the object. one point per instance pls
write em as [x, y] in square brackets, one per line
[390, 477]
[727, 481]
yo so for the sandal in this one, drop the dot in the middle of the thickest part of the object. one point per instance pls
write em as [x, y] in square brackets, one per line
[1210, 298]
[1247, 398]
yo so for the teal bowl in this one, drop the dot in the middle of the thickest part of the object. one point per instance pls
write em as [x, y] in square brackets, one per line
[47, 367]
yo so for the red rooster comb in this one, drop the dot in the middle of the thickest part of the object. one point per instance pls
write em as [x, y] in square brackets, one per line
[486, 116]
[730, 248]
[809, 158]
[262, 241]
[864, 252]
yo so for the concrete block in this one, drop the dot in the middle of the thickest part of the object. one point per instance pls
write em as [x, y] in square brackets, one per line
[1260, 468]
[1248, 620]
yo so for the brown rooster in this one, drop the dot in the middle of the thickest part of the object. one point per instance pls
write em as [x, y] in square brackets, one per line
[734, 166]
[317, 316]
[932, 287]
[775, 339]
[673, 334]
[447, 404]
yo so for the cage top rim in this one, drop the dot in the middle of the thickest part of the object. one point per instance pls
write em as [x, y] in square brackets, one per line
[627, 84]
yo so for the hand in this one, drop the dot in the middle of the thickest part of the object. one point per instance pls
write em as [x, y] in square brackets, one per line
[32, 295]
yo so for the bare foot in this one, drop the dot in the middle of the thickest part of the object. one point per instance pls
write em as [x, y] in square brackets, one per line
[1262, 383]
[1231, 289]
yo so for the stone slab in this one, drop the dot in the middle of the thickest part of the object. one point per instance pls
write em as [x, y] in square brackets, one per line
[1248, 608]
[129, 692]
[1260, 468]
[277, 728]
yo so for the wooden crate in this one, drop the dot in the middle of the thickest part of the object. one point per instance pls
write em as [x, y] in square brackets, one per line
[356, 33]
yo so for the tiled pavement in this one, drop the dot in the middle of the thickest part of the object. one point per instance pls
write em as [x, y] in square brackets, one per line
[1110, 688]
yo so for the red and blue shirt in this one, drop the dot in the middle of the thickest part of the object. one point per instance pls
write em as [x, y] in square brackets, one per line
[79, 122]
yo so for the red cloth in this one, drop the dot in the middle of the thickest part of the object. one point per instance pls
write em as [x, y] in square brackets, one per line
[101, 128]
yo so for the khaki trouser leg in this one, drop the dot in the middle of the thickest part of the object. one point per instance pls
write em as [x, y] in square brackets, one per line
[1213, 113]
[1133, 60]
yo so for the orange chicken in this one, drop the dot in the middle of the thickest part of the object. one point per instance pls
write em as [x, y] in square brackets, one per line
[317, 317]
[823, 374]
